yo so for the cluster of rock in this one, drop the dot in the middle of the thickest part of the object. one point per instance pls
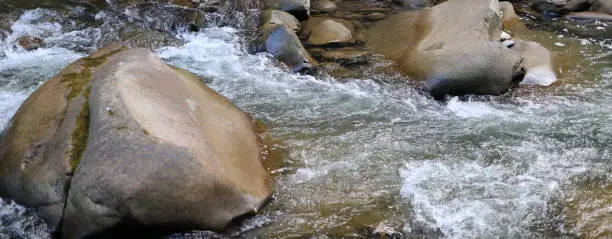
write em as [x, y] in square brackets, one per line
[581, 9]
[456, 47]
[120, 140]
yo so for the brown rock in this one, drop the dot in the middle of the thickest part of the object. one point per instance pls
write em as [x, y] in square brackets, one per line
[328, 32]
[30, 43]
[377, 16]
[346, 56]
[323, 6]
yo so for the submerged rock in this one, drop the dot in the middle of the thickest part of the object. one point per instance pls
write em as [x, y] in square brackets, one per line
[586, 208]
[346, 56]
[455, 47]
[30, 43]
[415, 4]
[120, 139]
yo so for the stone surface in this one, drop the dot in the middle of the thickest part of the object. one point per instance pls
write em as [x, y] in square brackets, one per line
[454, 47]
[346, 56]
[43, 143]
[323, 6]
[566, 6]
[275, 17]
[164, 150]
[601, 6]
[298, 8]
[121, 140]
[30, 43]
[586, 208]
[285, 45]
[329, 31]
[538, 63]
[278, 37]
[376, 16]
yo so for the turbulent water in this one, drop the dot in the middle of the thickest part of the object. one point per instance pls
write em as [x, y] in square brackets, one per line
[368, 151]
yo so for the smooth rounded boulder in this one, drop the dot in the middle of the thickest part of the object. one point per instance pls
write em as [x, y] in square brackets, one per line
[330, 32]
[538, 63]
[164, 150]
[120, 140]
[42, 145]
[454, 47]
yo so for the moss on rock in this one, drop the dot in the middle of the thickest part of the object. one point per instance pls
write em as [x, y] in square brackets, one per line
[80, 133]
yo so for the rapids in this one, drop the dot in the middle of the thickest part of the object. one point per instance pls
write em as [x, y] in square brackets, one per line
[366, 151]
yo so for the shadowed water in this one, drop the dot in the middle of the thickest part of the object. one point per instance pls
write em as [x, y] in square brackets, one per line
[364, 152]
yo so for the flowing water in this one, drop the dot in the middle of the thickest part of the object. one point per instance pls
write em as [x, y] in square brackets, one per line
[370, 151]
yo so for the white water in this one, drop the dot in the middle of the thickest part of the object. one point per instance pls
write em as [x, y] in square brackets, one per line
[475, 169]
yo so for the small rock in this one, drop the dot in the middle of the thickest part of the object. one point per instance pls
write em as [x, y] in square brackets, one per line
[324, 6]
[371, 10]
[376, 16]
[338, 71]
[383, 230]
[505, 36]
[508, 43]
[339, 14]
[360, 38]
[329, 31]
[354, 16]
[276, 17]
[297, 8]
[30, 43]
[559, 44]
[284, 44]
[346, 56]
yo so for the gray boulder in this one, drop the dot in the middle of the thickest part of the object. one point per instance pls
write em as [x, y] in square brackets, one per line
[285, 45]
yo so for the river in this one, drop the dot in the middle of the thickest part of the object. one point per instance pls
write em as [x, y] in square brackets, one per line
[366, 151]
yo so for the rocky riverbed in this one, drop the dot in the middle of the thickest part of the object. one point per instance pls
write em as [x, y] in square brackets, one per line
[393, 119]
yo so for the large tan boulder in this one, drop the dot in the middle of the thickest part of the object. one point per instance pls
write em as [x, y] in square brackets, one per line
[121, 140]
[454, 47]
[43, 143]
